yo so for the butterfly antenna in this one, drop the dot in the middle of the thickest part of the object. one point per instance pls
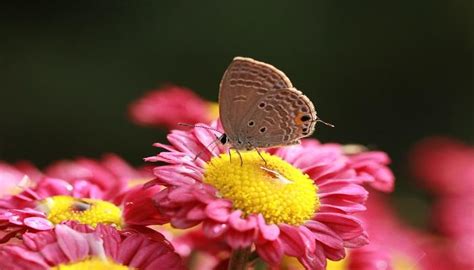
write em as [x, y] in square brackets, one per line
[195, 126]
[207, 148]
[327, 124]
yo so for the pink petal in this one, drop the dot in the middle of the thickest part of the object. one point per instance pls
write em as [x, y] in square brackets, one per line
[181, 195]
[268, 232]
[347, 227]
[38, 223]
[72, 243]
[238, 239]
[219, 210]
[325, 235]
[271, 251]
[240, 224]
[291, 240]
[196, 213]
[214, 229]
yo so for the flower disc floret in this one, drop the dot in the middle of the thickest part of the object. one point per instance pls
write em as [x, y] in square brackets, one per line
[277, 190]
[85, 211]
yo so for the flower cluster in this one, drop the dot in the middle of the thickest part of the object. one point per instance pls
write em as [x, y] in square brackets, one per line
[446, 167]
[198, 204]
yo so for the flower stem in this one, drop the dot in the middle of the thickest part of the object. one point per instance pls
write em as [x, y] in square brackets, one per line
[239, 259]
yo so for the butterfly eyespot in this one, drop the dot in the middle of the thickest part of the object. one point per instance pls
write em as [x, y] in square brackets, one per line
[263, 129]
[269, 108]
[251, 123]
[305, 118]
[262, 104]
[300, 102]
[304, 109]
[305, 130]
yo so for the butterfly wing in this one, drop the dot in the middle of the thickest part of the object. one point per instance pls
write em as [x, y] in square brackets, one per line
[280, 117]
[244, 83]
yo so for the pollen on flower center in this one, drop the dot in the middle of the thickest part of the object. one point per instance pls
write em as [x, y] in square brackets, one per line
[92, 263]
[279, 191]
[85, 211]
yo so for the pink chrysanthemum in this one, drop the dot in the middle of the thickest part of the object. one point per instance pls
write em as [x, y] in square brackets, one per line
[301, 204]
[75, 246]
[81, 198]
[170, 105]
[403, 246]
[453, 216]
[444, 165]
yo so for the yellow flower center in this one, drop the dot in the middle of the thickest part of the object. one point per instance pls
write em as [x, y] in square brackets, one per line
[85, 211]
[337, 265]
[279, 191]
[92, 264]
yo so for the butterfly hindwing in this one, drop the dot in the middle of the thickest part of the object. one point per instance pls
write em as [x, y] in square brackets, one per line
[280, 117]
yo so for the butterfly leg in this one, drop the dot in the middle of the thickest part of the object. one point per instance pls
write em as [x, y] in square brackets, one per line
[240, 156]
[260, 154]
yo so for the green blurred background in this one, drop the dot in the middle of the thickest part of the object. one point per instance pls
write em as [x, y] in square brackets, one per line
[386, 73]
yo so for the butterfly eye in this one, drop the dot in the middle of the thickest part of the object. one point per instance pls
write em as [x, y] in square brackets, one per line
[224, 139]
[263, 129]
[251, 123]
[305, 118]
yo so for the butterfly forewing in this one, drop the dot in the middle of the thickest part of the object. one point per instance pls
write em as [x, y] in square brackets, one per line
[244, 83]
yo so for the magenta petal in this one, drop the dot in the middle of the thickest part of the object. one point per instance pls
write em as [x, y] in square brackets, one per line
[347, 227]
[314, 261]
[325, 235]
[15, 220]
[38, 223]
[241, 224]
[74, 245]
[196, 213]
[292, 241]
[219, 210]
[271, 251]
[214, 229]
[238, 239]
[268, 232]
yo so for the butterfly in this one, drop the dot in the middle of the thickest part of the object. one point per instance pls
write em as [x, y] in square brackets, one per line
[260, 108]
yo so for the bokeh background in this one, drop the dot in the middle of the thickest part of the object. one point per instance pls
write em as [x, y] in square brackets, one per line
[386, 73]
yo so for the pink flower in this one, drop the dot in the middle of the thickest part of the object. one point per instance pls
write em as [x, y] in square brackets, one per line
[170, 105]
[111, 175]
[444, 165]
[81, 247]
[453, 217]
[394, 244]
[313, 224]
[83, 198]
